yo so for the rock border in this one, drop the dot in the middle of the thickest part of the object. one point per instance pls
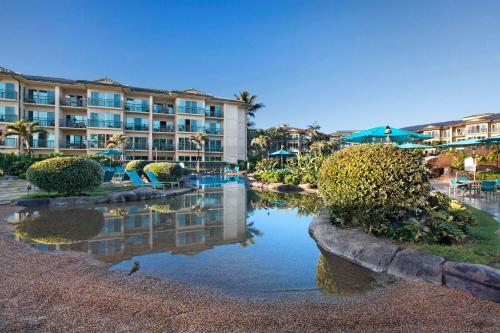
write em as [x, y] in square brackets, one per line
[280, 187]
[384, 256]
[114, 197]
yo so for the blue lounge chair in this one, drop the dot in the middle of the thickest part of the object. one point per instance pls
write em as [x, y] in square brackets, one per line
[488, 186]
[154, 180]
[236, 168]
[137, 180]
[497, 181]
[227, 168]
[108, 176]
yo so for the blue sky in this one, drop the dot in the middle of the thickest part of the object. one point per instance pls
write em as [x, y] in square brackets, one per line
[346, 64]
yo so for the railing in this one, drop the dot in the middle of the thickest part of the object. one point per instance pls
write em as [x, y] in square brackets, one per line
[8, 118]
[187, 146]
[73, 123]
[215, 131]
[39, 100]
[73, 145]
[137, 108]
[137, 146]
[135, 127]
[184, 128]
[8, 94]
[214, 114]
[214, 149]
[163, 147]
[44, 121]
[163, 108]
[164, 129]
[8, 142]
[38, 143]
[105, 123]
[477, 130]
[191, 110]
[108, 103]
[78, 102]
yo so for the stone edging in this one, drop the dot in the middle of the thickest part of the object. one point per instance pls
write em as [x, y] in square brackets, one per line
[381, 255]
[280, 187]
[115, 197]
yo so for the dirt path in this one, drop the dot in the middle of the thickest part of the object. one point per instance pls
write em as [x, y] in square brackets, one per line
[72, 292]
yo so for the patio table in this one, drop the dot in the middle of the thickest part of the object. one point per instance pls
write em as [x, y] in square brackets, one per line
[471, 186]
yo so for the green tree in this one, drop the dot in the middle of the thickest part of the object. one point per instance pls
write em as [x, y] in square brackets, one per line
[250, 101]
[199, 139]
[494, 154]
[24, 129]
[321, 146]
[261, 141]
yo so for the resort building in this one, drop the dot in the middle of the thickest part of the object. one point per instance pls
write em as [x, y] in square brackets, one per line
[295, 139]
[80, 115]
[474, 126]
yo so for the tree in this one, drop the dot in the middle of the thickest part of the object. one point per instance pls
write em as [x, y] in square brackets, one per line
[24, 129]
[261, 141]
[278, 136]
[250, 101]
[494, 154]
[117, 140]
[199, 139]
[320, 146]
[313, 129]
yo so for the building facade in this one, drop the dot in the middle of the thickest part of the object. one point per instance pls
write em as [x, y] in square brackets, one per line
[80, 116]
[474, 126]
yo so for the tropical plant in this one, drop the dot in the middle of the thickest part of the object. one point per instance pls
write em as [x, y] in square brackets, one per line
[266, 164]
[321, 146]
[25, 129]
[250, 101]
[494, 154]
[65, 175]
[199, 139]
[261, 141]
[251, 233]
[137, 166]
[458, 161]
[305, 169]
[273, 176]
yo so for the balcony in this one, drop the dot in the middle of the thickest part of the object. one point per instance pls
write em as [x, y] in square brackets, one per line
[8, 94]
[189, 128]
[187, 146]
[41, 100]
[41, 143]
[45, 122]
[107, 103]
[72, 123]
[164, 129]
[214, 131]
[105, 123]
[137, 146]
[74, 102]
[191, 110]
[163, 147]
[8, 118]
[137, 108]
[137, 127]
[163, 109]
[214, 149]
[8, 142]
[73, 145]
[214, 114]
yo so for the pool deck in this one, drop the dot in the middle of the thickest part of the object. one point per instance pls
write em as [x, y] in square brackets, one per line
[12, 189]
[69, 292]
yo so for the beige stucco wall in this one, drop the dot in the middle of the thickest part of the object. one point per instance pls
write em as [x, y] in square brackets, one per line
[235, 129]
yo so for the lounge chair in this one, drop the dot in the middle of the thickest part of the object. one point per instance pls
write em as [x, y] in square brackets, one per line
[488, 186]
[137, 180]
[108, 176]
[227, 168]
[154, 180]
[236, 168]
[455, 186]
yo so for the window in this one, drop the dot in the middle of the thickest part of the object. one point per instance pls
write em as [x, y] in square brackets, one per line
[163, 126]
[137, 142]
[213, 145]
[105, 119]
[99, 140]
[137, 124]
[44, 118]
[186, 144]
[112, 100]
[40, 96]
[7, 91]
[494, 127]
[7, 114]
[163, 144]
[189, 125]
[138, 105]
[213, 128]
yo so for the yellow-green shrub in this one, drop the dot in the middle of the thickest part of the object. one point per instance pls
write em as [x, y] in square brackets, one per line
[165, 171]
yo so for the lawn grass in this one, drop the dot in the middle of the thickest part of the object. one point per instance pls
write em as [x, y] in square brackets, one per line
[482, 248]
[95, 193]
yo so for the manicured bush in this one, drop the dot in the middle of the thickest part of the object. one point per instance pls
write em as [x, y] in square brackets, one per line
[369, 184]
[137, 165]
[165, 171]
[65, 175]
[103, 160]
[273, 176]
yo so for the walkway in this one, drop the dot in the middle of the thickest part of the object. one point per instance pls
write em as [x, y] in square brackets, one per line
[11, 189]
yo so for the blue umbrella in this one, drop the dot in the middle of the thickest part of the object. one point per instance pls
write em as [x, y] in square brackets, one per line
[463, 143]
[413, 146]
[384, 134]
[282, 153]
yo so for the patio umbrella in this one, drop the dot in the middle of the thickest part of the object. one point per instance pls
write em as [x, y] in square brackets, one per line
[384, 134]
[413, 146]
[463, 143]
[282, 153]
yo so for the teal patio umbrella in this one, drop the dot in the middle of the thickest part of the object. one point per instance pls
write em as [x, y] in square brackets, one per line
[384, 134]
[282, 153]
[463, 143]
[413, 146]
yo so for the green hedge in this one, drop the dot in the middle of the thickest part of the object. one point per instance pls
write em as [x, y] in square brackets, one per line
[15, 165]
[165, 171]
[488, 175]
[273, 176]
[65, 175]
[103, 160]
[137, 165]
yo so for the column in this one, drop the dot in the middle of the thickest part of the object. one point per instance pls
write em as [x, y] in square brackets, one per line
[150, 136]
[57, 116]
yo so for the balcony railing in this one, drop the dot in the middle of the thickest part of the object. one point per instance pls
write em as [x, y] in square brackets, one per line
[190, 110]
[164, 129]
[39, 143]
[137, 146]
[105, 123]
[188, 128]
[8, 118]
[137, 108]
[44, 100]
[214, 114]
[107, 103]
[73, 145]
[74, 102]
[137, 127]
[73, 123]
[187, 146]
[163, 147]
[8, 142]
[214, 149]
[8, 94]
[46, 122]
[215, 131]
[163, 108]
[477, 130]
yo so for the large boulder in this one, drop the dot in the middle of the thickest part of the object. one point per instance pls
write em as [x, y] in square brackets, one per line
[480, 280]
[419, 266]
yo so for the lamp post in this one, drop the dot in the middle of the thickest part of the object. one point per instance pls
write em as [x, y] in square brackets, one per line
[388, 132]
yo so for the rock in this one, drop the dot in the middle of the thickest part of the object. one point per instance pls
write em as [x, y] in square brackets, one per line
[33, 202]
[415, 265]
[130, 196]
[480, 280]
[116, 198]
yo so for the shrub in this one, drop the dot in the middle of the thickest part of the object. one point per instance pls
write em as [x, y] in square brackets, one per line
[165, 171]
[103, 160]
[273, 176]
[370, 184]
[137, 165]
[304, 169]
[1, 173]
[266, 164]
[15, 165]
[458, 161]
[488, 175]
[65, 175]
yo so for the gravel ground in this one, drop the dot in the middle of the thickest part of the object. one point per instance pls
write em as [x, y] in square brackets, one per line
[72, 292]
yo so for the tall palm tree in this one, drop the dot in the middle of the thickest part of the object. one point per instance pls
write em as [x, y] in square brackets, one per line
[24, 129]
[199, 139]
[117, 140]
[313, 129]
[320, 146]
[261, 141]
[250, 101]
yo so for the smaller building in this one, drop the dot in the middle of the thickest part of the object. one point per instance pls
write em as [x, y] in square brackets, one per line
[294, 139]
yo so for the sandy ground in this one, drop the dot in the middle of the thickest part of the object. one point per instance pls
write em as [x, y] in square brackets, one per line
[70, 292]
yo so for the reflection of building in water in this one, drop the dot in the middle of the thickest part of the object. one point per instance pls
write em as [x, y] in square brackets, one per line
[187, 224]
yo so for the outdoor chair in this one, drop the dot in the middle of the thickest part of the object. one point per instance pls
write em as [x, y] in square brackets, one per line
[455, 186]
[154, 180]
[488, 186]
[497, 181]
[236, 168]
[108, 176]
[137, 180]
[227, 168]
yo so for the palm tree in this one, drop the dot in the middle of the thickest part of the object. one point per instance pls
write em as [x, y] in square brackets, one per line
[313, 129]
[199, 139]
[320, 146]
[261, 141]
[118, 141]
[24, 129]
[250, 101]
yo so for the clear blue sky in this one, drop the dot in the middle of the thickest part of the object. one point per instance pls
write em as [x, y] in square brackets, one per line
[345, 64]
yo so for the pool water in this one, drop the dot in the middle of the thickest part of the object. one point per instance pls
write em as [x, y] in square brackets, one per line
[222, 236]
